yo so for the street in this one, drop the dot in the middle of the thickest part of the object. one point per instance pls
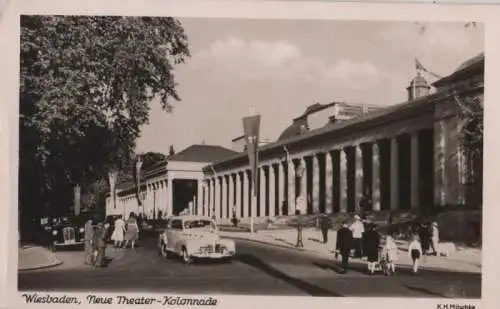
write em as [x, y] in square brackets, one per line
[257, 270]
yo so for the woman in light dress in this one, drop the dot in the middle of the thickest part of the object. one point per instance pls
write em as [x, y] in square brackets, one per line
[118, 232]
[132, 231]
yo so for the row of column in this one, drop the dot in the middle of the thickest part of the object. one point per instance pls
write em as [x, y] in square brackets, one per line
[156, 200]
[332, 181]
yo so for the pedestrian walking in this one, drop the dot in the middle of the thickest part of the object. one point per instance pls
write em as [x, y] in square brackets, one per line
[100, 245]
[371, 247]
[118, 232]
[132, 231]
[89, 241]
[415, 252]
[425, 237]
[434, 234]
[357, 229]
[234, 219]
[390, 255]
[344, 245]
[300, 243]
[324, 225]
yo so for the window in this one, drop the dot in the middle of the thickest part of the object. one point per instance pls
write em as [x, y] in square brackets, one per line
[198, 224]
[176, 225]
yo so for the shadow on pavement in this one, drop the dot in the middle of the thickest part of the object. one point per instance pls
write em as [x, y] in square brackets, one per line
[310, 289]
[315, 240]
[424, 290]
[331, 266]
[284, 241]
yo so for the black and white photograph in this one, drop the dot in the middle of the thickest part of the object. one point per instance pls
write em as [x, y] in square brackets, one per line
[249, 157]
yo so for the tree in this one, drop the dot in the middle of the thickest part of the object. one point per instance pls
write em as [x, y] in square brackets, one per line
[471, 114]
[86, 83]
[152, 159]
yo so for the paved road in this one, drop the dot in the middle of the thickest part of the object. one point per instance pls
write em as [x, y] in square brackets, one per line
[257, 270]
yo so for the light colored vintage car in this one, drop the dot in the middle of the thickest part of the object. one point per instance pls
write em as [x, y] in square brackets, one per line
[194, 237]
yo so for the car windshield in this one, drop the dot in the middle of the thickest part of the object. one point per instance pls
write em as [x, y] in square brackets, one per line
[199, 224]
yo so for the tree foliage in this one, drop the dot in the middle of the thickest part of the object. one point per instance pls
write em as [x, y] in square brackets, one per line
[86, 83]
[471, 114]
[152, 159]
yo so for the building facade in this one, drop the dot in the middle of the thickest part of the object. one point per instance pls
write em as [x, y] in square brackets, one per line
[401, 157]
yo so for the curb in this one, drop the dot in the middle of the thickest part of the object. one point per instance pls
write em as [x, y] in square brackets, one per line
[357, 262]
[54, 263]
[277, 245]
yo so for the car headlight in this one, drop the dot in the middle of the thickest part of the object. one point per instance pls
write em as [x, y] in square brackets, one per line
[54, 232]
[82, 230]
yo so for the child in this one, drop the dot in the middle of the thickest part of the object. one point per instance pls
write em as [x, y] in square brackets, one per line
[415, 252]
[390, 254]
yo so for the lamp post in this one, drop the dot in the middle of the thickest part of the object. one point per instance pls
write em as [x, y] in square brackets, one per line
[251, 126]
[299, 205]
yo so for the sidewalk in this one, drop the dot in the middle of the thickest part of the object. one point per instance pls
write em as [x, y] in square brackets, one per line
[461, 260]
[36, 257]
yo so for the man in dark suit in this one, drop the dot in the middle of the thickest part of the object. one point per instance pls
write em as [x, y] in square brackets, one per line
[324, 225]
[100, 245]
[344, 244]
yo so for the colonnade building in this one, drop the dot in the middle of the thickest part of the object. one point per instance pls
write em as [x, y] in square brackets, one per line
[400, 157]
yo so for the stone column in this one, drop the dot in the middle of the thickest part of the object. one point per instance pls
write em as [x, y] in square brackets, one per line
[272, 192]
[231, 196]
[291, 188]
[281, 188]
[225, 202]
[415, 173]
[303, 180]
[246, 195]
[237, 189]
[394, 174]
[170, 203]
[262, 192]
[328, 183]
[376, 177]
[214, 190]
[315, 184]
[440, 182]
[208, 195]
[359, 174]
[218, 197]
[199, 197]
[343, 180]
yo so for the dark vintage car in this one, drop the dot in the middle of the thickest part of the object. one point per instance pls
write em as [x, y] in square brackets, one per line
[65, 232]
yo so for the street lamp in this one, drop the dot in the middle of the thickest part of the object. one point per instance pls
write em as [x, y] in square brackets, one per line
[299, 171]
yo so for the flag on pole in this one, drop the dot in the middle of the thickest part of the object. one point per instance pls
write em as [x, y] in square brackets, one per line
[112, 186]
[420, 67]
[251, 126]
[137, 178]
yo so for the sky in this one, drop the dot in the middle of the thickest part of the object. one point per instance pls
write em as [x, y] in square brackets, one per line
[282, 66]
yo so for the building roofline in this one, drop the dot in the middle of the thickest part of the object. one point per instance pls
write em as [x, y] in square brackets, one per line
[474, 67]
[381, 116]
